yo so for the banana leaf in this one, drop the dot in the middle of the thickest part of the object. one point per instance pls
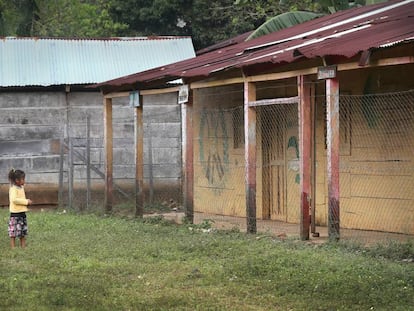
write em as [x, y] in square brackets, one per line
[282, 21]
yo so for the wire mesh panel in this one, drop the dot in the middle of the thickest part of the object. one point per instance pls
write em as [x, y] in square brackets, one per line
[376, 163]
[279, 158]
[219, 187]
[376, 167]
[162, 165]
[376, 159]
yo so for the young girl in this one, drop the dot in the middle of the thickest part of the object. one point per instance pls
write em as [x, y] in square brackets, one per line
[18, 208]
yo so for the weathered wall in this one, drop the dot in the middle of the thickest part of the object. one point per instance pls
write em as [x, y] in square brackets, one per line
[33, 123]
[377, 150]
[376, 163]
[218, 162]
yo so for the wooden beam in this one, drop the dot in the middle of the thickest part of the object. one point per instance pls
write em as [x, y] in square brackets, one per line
[313, 161]
[302, 72]
[144, 92]
[139, 159]
[250, 155]
[116, 95]
[188, 157]
[332, 119]
[205, 84]
[305, 143]
[272, 76]
[274, 101]
[160, 91]
[108, 141]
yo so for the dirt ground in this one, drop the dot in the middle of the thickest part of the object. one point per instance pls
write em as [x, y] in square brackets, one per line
[277, 229]
[288, 230]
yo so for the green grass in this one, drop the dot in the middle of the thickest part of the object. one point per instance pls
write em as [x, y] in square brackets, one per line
[92, 262]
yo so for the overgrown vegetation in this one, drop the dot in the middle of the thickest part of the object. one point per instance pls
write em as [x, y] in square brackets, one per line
[97, 262]
[207, 22]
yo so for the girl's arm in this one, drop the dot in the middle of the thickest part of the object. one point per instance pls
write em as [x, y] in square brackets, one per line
[16, 200]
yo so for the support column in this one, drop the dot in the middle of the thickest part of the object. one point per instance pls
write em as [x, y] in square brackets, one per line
[305, 144]
[108, 141]
[139, 159]
[332, 119]
[188, 157]
[250, 155]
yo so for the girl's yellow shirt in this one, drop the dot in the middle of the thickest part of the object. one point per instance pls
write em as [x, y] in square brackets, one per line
[17, 198]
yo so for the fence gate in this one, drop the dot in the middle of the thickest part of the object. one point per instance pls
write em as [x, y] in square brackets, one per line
[280, 158]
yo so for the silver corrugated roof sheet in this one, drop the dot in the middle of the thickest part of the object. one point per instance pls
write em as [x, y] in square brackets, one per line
[45, 62]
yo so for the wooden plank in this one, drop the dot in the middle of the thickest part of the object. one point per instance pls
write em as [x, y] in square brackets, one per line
[61, 167]
[379, 168]
[305, 142]
[382, 186]
[332, 119]
[139, 159]
[108, 141]
[371, 155]
[307, 71]
[274, 101]
[70, 173]
[116, 95]
[88, 161]
[250, 155]
[313, 161]
[160, 91]
[144, 92]
[388, 215]
[188, 157]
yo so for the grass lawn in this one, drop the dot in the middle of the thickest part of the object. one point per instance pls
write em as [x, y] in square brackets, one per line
[92, 262]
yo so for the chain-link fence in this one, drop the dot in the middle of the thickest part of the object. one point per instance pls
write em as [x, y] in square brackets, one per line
[83, 171]
[376, 165]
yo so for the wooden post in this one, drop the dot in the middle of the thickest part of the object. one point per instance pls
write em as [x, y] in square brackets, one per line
[150, 165]
[61, 167]
[332, 119]
[108, 141]
[70, 171]
[188, 167]
[313, 162]
[139, 159]
[88, 161]
[250, 155]
[305, 141]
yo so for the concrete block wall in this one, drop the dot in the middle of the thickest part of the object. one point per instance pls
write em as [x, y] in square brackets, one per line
[33, 124]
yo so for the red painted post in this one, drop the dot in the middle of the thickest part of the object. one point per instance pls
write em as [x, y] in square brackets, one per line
[188, 158]
[139, 160]
[305, 143]
[250, 155]
[332, 119]
[108, 141]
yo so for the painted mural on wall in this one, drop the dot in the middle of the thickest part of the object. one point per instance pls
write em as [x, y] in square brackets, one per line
[294, 163]
[214, 148]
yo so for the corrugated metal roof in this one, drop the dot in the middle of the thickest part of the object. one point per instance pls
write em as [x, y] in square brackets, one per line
[44, 62]
[345, 33]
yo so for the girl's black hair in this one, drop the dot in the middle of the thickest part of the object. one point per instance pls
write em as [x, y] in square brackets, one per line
[15, 174]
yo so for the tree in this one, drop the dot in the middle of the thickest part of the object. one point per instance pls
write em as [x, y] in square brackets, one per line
[57, 18]
[16, 17]
[75, 18]
[207, 22]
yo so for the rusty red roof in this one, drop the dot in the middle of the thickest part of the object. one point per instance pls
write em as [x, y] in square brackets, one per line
[345, 33]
